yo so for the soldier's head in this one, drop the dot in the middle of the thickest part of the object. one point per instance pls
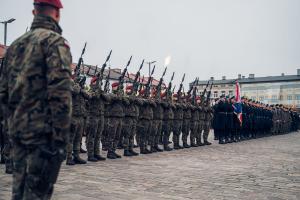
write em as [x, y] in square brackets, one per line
[115, 87]
[129, 89]
[49, 8]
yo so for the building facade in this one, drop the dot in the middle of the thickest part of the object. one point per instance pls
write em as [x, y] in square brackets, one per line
[283, 89]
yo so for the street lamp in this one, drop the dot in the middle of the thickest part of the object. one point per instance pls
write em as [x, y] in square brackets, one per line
[150, 63]
[5, 28]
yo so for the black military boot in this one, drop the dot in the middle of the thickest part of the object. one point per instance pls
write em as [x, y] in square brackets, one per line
[221, 140]
[176, 145]
[99, 157]
[206, 143]
[158, 149]
[78, 160]
[8, 167]
[185, 145]
[133, 153]
[200, 144]
[145, 151]
[70, 161]
[127, 153]
[92, 159]
[111, 155]
[167, 148]
[153, 149]
[193, 143]
[117, 155]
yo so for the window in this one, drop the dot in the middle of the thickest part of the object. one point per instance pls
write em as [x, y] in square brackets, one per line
[297, 96]
[223, 92]
[216, 94]
[215, 86]
[223, 85]
[230, 93]
[253, 98]
[289, 97]
[274, 97]
[280, 97]
[261, 98]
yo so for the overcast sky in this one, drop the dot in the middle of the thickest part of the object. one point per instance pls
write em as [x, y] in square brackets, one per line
[204, 37]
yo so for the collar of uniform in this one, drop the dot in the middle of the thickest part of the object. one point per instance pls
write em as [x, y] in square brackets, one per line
[42, 21]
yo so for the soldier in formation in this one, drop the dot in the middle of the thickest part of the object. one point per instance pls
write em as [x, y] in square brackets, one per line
[258, 120]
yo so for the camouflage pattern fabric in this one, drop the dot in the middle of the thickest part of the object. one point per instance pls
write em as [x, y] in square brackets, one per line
[35, 85]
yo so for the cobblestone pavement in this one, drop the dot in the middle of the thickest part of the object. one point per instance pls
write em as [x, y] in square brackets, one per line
[266, 168]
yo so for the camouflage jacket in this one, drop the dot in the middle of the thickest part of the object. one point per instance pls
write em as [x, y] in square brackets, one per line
[114, 106]
[158, 111]
[79, 97]
[146, 111]
[35, 85]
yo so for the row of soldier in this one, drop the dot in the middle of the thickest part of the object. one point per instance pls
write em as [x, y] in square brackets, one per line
[257, 120]
[140, 112]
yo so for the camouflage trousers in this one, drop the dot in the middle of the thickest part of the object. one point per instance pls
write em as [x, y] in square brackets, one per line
[75, 136]
[167, 127]
[95, 129]
[143, 129]
[113, 132]
[194, 131]
[185, 130]
[206, 128]
[177, 128]
[34, 174]
[155, 132]
[7, 148]
[128, 132]
[201, 125]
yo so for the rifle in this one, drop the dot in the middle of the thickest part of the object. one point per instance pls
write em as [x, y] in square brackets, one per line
[158, 87]
[209, 93]
[100, 74]
[80, 61]
[121, 78]
[173, 89]
[149, 83]
[106, 85]
[180, 88]
[169, 93]
[141, 85]
[204, 92]
[135, 83]
[192, 87]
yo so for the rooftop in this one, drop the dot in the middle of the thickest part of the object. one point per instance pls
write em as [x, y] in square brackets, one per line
[253, 79]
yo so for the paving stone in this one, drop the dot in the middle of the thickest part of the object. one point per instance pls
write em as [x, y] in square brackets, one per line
[264, 169]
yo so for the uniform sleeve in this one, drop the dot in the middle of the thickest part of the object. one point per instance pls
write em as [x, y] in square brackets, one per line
[3, 89]
[59, 89]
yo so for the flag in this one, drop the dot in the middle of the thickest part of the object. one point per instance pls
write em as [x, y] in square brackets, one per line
[238, 104]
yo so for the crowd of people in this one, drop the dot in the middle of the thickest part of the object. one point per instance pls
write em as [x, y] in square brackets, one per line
[257, 120]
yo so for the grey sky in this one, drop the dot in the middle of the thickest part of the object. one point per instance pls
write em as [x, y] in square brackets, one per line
[204, 37]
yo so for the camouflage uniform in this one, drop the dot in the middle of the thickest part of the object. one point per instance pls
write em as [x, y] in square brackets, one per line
[115, 114]
[35, 85]
[156, 129]
[78, 110]
[7, 149]
[194, 125]
[208, 116]
[144, 125]
[131, 111]
[95, 125]
[177, 125]
[167, 124]
[201, 124]
[187, 115]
